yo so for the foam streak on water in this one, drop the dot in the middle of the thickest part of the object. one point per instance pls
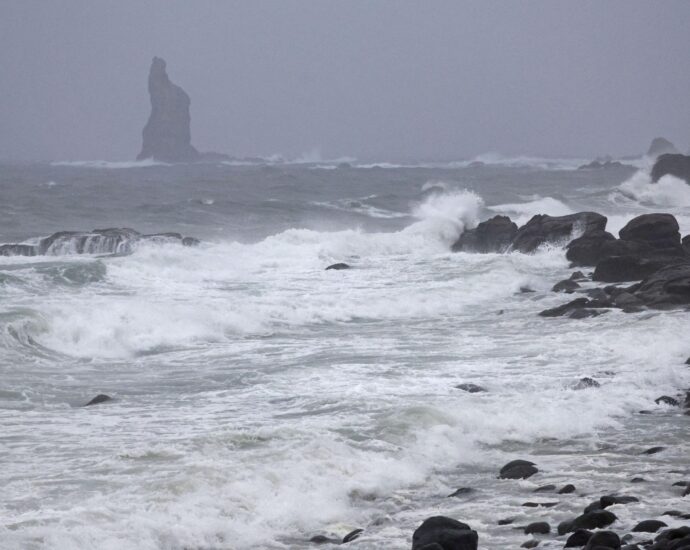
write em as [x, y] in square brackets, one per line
[260, 399]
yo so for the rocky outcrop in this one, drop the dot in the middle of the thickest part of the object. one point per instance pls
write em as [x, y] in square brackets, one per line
[99, 241]
[599, 164]
[674, 165]
[661, 146]
[552, 229]
[657, 230]
[167, 135]
[494, 235]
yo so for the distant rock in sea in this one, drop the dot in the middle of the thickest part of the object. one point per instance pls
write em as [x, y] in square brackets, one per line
[661, 146]
[672, 164]
[167, 135]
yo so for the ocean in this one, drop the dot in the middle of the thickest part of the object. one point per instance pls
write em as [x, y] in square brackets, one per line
[260, 400]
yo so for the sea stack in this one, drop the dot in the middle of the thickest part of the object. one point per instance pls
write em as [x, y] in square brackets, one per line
[661, 146]
[167, 136]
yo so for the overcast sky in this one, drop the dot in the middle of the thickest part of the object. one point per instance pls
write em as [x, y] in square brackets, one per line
[385, 80]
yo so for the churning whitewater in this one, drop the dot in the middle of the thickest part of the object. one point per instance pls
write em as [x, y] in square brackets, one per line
[260, 400]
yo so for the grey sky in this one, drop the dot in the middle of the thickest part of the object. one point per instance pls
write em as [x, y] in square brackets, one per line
[386, 80]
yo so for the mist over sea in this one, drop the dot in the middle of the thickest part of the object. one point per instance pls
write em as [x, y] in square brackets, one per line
[260, 400]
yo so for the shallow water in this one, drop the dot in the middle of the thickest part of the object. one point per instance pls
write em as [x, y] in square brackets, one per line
[260, 400]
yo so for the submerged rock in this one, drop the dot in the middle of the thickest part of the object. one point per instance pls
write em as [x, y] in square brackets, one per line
[585, 383]
[470, 388]
[352, 535]
[567, 489]
[518, 469]
[167, 135]
[447, 533]
[666, 400]
[338, 267]
[100, 398]
[568, 286]
[493, 235]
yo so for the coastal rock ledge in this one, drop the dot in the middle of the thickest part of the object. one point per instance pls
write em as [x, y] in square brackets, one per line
[167, 135]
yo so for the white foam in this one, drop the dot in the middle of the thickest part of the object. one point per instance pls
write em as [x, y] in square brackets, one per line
[110, 165]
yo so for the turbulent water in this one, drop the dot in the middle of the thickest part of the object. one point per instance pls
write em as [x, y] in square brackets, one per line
[260, 400]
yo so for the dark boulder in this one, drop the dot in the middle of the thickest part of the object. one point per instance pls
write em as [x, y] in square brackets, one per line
[604, 539]
[323, 539]
[553, 229]
[578, 538]
[596, 519]
[567, 489]
[545, 489]
[565, 309]
[649, 526]
[568, 286]
[446, 532]
[617, 269]
[685, 243]
[167, 135]
[518, 469]
[506, 521]
[533, 543]
[538, 528]
[461, 492]
[590, 248]
[675, 165]
[338, 266]
[653, 450]
[493, 235]
[657, 230]
[100, 398]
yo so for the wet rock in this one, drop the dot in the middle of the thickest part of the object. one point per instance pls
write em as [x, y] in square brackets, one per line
[446, 532]
[625, 300]
[432, 546]
[649, 526]
[352, 535]
[585, 383]
[666, 400]
[578, 538]
[100, 398]
[552, 229]
[567, 489]
[493, 235]
[568, 286]
[462, 491]
[653, 450]
[602, 164]
[584, 313]
[672, 513]
[660, 231]
[545, 489]
[638, 480]
[526, 290]
[530, 544]
[589, 249]
[167, 135]
[470, 388]
[518, 469]
[675, 165]
[603, 539]
[538, 504]
[596, 519]
[687, 491]
[338, 266]
[565, 309]
[506, 521]
[616, 269]
[578, 276]
[538, 528]
[681, 483]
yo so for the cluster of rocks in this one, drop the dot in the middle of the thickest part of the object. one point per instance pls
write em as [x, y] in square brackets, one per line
[648, 249]
[98, 241]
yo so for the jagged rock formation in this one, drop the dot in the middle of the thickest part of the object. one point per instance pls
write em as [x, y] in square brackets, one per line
[167, 136]
[675, 165]
[661, 146]
[98, 241]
